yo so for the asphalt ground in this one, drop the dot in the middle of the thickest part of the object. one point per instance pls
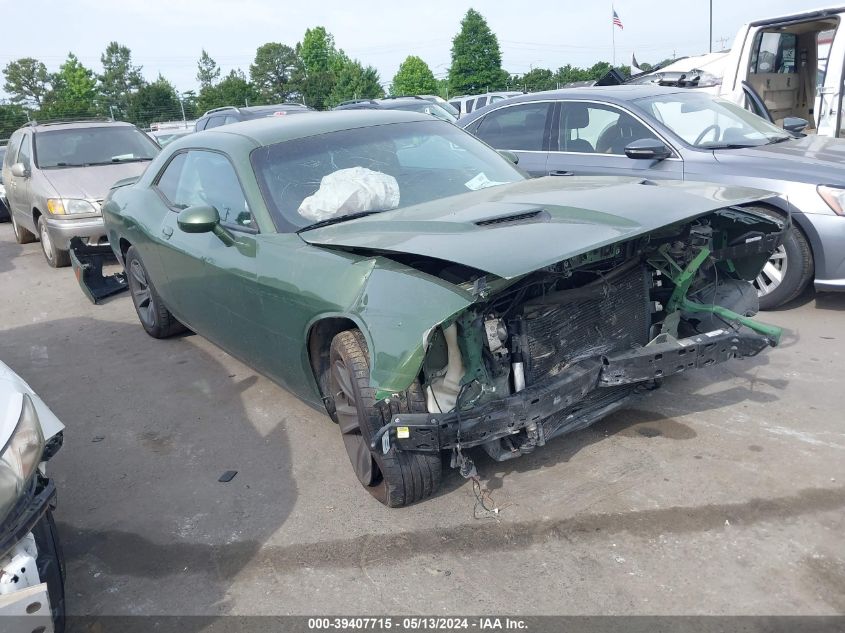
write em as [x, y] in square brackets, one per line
[721, 493]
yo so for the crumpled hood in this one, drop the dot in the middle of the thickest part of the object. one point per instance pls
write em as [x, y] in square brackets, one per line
[815, 160]
[576, 215]
[91, 183]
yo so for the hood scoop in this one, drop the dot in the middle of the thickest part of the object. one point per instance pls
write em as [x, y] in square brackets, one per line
[535, 215]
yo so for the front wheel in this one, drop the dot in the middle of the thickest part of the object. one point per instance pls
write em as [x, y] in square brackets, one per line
[787, 272]
[22, 236]
[397, 478]
[55, 257]
[156, 319]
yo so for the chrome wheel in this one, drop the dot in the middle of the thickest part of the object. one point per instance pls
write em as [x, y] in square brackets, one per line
[346, 410]
[773, 272]
[141, 295]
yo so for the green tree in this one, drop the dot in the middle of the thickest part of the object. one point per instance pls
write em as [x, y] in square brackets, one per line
[273, 72]
[12, 116]
[320, 60]
[476, 58]
[207, 70]
[154, 102]
[598, 70]
[538, 79]
[233, 90]
[120, 79]
[569, 74]
[74, 91]
[413, 78]
[27, 81]
[354, 81]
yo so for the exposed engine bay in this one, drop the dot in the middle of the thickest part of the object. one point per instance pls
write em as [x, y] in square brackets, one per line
[558, 349]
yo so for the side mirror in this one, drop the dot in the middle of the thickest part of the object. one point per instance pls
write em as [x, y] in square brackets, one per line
[509, 155]
[19, 171]
[647, 149]
[198, 219]
[794, 124]
[203, 219]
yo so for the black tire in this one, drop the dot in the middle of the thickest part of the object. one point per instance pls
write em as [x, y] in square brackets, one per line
[55, 257]
[22, 235]
[51, 567]
[398, 478]
[154, 316]
[797, 257]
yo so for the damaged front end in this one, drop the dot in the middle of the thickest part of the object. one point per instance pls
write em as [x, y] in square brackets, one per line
[556, 350]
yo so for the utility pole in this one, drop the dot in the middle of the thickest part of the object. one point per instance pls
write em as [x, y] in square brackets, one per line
[711, 26]
[722, 41]
[111, 112]
[184, 120]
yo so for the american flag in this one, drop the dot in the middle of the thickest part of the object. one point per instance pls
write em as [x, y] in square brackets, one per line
[617, 21]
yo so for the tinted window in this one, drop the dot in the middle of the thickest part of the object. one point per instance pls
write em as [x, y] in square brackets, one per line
[201, 124]
[481, 102]
[206, 178]
[230, 119]
[589, 128]
[468, 105]
[519, 127]
[92, 146]
[215, 121]
[429, 160]
[25, 153]
[456, 105]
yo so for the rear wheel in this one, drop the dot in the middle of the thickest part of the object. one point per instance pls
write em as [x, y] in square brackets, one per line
[22, 236]
[397, 478]
[788, 270]
[156, 319]
[55, 257]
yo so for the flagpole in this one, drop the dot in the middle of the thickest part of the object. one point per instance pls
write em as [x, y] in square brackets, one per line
[613, 33]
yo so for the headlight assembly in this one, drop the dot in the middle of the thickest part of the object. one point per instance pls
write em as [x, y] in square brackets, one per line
[20, 456]
[70, 206]
[834, 197]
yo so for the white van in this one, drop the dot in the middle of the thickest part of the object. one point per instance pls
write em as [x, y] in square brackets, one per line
[468, 103]
[794, 63]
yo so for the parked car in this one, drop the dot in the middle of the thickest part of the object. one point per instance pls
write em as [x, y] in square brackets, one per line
[468, 103]
[232, 114]
[794, 62]
[57, 175]
[32, 568]
[443, 104]
[410, 104]
[655, 132]
[4, 204]
[395, 271]
[168, 135]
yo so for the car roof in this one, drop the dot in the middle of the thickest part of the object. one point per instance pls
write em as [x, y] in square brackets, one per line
[73, 125]
[625, 92]
[271, 130]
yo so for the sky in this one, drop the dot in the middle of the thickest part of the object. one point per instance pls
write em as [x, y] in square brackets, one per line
[167, 36]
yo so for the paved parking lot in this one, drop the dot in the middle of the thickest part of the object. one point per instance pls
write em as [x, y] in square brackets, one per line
[721, 493]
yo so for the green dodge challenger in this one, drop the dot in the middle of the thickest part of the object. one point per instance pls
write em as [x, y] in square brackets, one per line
[412, 282]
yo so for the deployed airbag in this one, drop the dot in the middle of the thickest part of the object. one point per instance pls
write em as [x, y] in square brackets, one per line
[351, 190]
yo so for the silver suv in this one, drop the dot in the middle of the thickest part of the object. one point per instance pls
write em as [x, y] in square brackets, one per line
[57, 174]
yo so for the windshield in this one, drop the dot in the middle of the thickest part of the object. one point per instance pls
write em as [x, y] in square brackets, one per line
[709, 123]
[85, 146]
[373, 168]
[427, 107]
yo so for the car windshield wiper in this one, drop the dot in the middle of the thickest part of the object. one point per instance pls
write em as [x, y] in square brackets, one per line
[728, 145]
[337, 219]
[777, 139]
[125, 160]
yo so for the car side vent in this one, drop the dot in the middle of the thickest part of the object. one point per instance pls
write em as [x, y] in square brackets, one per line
[537, 215]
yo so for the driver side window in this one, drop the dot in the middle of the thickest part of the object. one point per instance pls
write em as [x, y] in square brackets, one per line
[200, 177]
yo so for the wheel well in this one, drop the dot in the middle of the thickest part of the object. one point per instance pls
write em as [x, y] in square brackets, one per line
[35, 215]
[124, 246]
[795, 223]
[320, 341]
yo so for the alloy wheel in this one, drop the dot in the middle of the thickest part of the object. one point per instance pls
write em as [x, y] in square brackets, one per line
[141, 294]
[46, 242]
[346, 411]
[773, 272]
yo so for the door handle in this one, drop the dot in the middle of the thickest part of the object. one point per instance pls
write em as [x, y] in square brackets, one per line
[167, 231]
[561, 172]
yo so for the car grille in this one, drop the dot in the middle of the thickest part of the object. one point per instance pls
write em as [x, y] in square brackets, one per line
[596, 320]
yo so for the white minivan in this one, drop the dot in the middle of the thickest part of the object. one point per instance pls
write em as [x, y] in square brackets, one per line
[793, 63]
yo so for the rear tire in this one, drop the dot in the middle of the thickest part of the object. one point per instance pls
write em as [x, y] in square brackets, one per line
[154, 316]
[398, 478]
[788, 271]
[22, 235]
[55, 257]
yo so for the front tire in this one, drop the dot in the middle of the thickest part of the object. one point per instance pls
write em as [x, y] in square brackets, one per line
[154, 316]
[55, 257]
[788, 270]
[398, 478]
[22, 235]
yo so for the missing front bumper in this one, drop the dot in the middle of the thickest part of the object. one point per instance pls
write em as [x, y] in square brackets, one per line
[582, 394]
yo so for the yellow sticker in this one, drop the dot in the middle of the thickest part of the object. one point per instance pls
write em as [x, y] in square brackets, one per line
[403, 432]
